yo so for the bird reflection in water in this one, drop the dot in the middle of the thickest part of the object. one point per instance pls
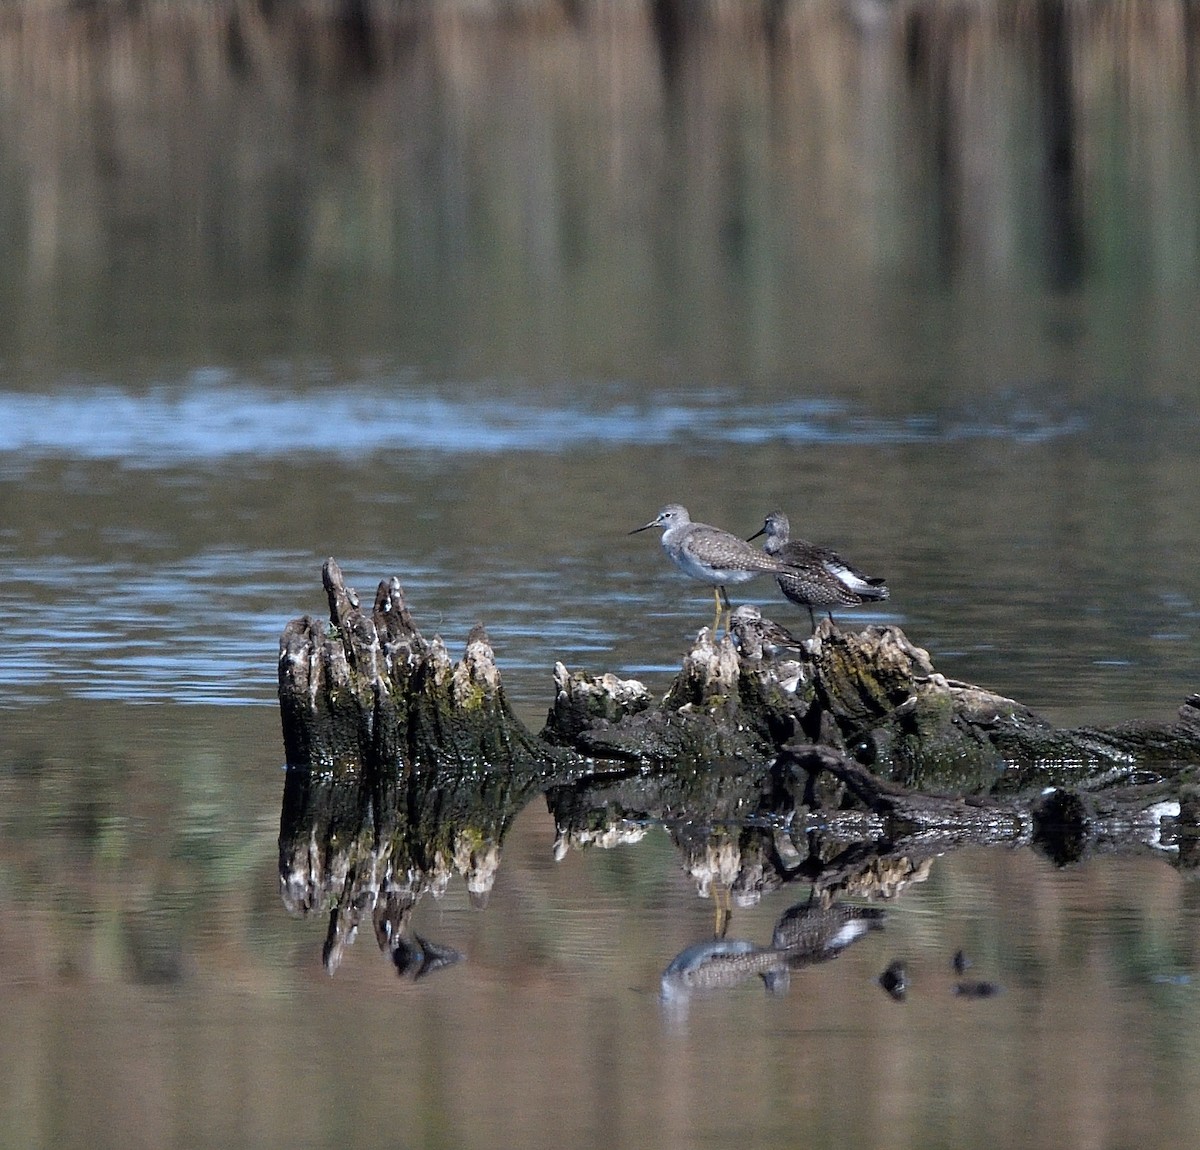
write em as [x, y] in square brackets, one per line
[807, 933]
[894, 979]
[413, 956]
[416, 956]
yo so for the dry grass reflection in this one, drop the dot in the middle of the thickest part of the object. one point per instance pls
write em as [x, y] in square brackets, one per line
[568, 160]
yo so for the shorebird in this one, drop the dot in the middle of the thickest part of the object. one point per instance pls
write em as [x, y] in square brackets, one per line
[756, 636]
[711, 555]
[816, 576]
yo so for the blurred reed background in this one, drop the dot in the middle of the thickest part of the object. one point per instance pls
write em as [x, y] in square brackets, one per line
[946, 251]
[558, 163]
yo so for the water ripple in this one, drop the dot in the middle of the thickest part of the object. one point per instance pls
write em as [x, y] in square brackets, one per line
[205, 629]
[212, 417]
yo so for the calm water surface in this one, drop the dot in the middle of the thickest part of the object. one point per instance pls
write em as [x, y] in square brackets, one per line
[456, 318]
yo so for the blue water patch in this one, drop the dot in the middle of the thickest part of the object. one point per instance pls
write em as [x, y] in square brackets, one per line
[163, 634]
[205, 629]
[212, 416]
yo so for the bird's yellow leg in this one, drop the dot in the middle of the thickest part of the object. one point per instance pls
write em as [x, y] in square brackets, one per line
[721, 600]
[723, 910]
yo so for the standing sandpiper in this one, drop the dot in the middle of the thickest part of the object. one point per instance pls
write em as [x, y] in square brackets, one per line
[711, 555]
[816, 576]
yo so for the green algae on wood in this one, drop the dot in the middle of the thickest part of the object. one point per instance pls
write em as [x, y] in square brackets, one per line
[369, 689]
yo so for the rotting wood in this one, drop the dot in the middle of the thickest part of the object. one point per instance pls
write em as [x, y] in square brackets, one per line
[366, 692]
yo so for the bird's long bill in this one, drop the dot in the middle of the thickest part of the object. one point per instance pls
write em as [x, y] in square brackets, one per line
[646, 527]
[761, 531]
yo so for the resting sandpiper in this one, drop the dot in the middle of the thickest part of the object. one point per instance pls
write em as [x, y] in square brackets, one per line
[816, 576]
[756, 636]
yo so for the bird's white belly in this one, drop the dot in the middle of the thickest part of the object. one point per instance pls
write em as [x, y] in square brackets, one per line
[716, 576]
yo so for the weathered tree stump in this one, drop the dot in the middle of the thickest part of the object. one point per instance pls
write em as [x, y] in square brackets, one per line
[872, 694]
[366, 692]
